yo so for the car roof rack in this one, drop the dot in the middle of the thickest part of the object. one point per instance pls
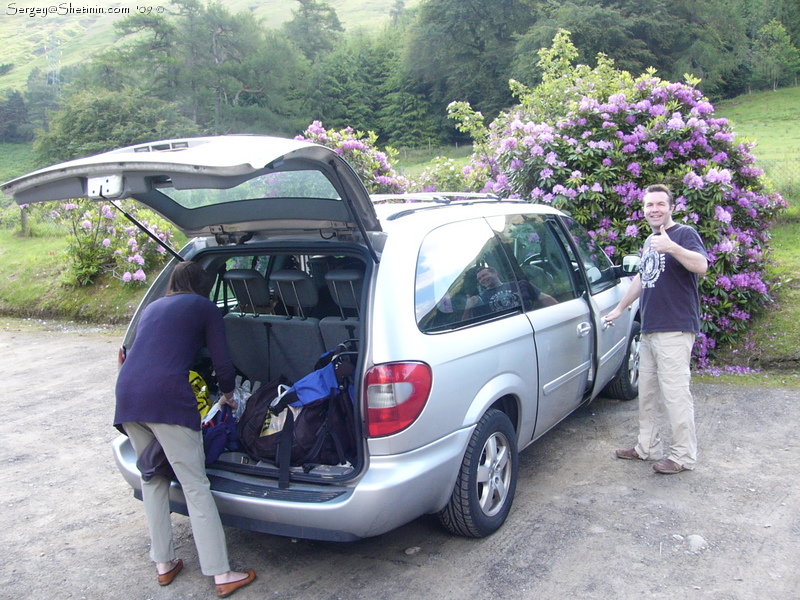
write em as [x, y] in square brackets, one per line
[438, 197]
[417, 201]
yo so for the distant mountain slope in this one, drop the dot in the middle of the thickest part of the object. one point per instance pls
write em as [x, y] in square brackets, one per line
[41, 34]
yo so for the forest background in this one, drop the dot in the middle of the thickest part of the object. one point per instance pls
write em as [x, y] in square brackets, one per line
[274, 67]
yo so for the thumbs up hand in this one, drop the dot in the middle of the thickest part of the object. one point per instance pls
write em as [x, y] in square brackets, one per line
[662, 243]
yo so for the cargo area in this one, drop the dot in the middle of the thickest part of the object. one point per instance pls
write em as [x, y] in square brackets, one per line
[283, 311]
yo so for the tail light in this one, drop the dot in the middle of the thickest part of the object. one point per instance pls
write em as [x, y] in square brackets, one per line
[395, 395]
[121, 355]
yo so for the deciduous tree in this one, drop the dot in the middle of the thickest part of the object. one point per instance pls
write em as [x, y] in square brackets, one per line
[775, 61]
[95, 120]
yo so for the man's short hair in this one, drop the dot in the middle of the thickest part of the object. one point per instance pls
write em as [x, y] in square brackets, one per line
[660, 187]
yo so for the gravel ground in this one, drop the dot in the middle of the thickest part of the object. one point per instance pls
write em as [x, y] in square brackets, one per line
[584, 525]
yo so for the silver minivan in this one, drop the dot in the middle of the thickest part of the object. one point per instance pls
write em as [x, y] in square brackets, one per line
[474, 323]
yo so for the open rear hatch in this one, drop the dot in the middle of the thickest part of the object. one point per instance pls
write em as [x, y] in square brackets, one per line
[230, 187]
[234, 188]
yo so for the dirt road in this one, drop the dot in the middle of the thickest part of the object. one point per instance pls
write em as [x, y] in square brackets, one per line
[584, 524]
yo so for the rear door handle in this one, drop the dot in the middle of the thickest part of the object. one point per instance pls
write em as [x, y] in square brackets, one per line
[584, 329]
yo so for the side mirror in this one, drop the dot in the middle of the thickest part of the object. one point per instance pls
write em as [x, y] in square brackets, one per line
[630, 264]
[629, 267]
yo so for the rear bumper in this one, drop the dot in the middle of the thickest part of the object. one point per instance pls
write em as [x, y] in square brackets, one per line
[392, 491]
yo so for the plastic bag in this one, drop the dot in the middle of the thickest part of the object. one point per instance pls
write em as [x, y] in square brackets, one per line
[240, 394]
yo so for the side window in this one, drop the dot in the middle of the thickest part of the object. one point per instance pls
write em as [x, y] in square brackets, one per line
[596, 263]
[538, 257]
[463, 277]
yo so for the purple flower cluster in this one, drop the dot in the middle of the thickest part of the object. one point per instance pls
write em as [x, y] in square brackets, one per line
[98, 244]
[360, 150]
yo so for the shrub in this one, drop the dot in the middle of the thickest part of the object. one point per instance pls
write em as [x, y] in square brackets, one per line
[589, 141]
[100, 243]
[441, 174]
[360, 150]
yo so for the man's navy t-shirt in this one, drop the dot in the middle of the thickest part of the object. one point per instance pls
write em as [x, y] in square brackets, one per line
[670, 300]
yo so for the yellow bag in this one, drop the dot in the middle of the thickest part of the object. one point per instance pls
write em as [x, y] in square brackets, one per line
[201, 392]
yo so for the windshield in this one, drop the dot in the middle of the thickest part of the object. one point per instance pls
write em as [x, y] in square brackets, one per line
[286, 184]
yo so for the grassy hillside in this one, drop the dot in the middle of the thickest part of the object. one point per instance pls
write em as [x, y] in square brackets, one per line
[32, 39]
[15, 160]
[768, 118]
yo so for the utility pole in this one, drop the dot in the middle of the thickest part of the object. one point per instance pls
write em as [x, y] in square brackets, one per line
[53, 61]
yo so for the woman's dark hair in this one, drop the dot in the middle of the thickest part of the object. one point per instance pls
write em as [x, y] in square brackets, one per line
[189, 278]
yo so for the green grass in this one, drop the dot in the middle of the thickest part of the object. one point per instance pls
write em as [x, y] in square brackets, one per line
[31, 284]
[412, 161]
[761, 379]
[15, 160]
[773, 343]
[768, 118]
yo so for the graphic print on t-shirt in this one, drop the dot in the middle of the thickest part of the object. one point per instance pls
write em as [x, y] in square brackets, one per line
[502, 299]
[651, 267]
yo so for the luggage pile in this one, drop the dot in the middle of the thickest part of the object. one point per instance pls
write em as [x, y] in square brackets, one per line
[306, 424]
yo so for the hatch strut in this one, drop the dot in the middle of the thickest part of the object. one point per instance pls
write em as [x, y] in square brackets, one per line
[152, 235]
[356, 216]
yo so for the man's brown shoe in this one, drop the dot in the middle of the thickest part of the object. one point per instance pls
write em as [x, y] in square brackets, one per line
[668, 467]
[226, 589]
[628, 454]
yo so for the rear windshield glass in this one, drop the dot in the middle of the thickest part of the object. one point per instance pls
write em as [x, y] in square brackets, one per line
[286, 184]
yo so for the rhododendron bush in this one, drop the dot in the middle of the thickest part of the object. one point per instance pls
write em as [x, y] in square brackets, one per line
[589, 141]
[102, 241]
[360, 150]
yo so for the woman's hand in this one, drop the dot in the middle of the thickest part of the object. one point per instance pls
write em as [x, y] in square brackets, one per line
[228, 399]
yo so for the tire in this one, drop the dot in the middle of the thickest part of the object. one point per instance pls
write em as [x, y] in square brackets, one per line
[625, 385]
[486, 483]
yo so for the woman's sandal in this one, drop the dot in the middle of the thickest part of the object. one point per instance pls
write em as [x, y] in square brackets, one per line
[166, 578]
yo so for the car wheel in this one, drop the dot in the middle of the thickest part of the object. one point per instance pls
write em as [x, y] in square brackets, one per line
[487, 480]
[625, 385]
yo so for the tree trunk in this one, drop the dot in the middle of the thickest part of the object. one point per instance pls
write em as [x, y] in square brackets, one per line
[24, 226]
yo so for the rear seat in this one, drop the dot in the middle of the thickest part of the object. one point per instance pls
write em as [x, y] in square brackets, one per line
[345, 288]
[295, 342]
[250, 289]
[247, 339]
[265, 346]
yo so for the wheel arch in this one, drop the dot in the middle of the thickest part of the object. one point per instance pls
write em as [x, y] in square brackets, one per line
[509, 404]
[505, 393]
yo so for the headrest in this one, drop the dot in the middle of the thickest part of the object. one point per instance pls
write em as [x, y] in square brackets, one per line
[295, 288]
[345, 287]
[249, 287]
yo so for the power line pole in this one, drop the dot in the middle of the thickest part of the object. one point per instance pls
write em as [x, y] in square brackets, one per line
[53, 61]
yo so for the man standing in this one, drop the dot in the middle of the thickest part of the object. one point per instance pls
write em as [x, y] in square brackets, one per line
[672, 258]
